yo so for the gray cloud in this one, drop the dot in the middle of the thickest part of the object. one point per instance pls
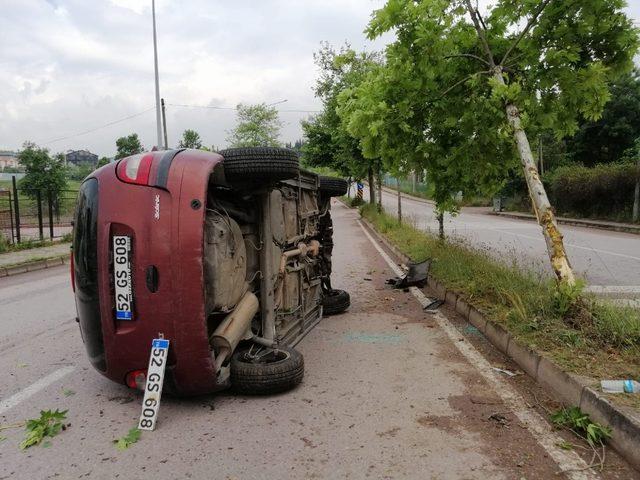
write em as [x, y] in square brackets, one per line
[69, 66]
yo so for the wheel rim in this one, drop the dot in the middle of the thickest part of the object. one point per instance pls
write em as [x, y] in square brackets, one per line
[264, 356]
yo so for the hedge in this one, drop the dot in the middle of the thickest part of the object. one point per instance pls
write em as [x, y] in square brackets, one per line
[604, 191]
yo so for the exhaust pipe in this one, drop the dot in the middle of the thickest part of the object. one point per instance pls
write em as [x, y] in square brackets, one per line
[235, 327]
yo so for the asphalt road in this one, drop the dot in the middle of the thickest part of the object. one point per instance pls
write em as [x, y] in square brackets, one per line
[389, 392]
[602, 257]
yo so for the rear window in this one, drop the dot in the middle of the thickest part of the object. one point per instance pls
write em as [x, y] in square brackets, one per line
[85, 259]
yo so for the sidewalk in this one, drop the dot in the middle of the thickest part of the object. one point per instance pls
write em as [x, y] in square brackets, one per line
[12, 263]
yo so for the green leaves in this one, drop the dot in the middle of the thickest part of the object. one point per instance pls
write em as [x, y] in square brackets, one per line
[48, 425]
[258, 126]
[129, 439]
[573, 419]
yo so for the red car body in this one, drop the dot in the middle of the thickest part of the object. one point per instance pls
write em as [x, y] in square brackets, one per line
[164, 216]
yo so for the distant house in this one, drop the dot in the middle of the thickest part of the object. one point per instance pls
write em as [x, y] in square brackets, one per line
[8, 159]
[81, 157]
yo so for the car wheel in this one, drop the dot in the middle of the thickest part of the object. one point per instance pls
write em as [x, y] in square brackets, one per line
[266, 370]
[333, 187]
[335, 301]
[260, 164]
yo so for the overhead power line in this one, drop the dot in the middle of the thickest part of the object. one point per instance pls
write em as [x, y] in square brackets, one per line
[234, 108]
[97, 128]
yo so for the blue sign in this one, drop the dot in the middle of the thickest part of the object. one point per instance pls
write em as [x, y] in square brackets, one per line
[123, 315]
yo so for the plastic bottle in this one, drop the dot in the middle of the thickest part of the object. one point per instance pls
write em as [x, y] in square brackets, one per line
[620, 386]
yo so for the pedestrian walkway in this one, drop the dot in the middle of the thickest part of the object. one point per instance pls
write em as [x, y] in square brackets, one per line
[24, 256]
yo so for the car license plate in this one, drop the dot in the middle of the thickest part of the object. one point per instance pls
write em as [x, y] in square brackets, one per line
[155, 380]
[122, 277]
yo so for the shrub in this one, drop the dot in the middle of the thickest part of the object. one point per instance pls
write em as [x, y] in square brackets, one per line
[604, 191]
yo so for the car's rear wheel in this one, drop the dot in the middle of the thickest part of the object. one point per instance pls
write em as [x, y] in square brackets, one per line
[333, 187]
[260, 164]
[266, 370]
[335, 301]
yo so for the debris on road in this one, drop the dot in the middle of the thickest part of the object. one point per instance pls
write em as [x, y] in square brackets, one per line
[500, 419]
[415, 277]
[507, 372]
[433, 306]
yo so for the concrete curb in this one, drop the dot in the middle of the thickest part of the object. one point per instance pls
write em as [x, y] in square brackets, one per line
[575, 223]
[569, 388]
[33, 266]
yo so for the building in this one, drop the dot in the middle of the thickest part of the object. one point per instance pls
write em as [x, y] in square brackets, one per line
[8, 159]
[81, 157]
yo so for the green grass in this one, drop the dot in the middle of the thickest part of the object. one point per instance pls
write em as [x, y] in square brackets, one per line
[584, 336]
[29, 244]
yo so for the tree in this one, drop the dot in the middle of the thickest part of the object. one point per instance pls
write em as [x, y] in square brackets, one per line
[484, 82]
[328, 141]
[605, 140]
[190, 139]
[127, 146]
[102, 162]
[44, 173]
[257, 126]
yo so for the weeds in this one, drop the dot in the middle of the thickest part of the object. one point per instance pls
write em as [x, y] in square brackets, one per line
[48, 425]
[578, 422]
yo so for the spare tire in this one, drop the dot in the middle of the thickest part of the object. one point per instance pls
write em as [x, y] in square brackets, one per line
[260, 164]
[333, 187]
[272, 370]
[335, 301]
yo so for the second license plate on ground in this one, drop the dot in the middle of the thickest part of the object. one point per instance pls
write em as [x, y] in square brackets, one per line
[122, 277]
[155, 380]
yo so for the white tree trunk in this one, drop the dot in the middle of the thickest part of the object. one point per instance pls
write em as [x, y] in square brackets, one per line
[542, 207]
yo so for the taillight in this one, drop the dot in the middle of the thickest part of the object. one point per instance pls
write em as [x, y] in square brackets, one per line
[136, 379]
[135, 169]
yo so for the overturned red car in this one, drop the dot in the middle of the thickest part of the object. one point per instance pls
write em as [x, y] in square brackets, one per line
[226, 254]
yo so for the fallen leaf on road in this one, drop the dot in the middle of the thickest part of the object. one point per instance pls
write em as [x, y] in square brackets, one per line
[129, 439]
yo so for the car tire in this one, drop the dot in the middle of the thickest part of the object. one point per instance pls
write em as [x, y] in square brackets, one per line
[335, 301]
[260, 164]
[252, 377]
[333, 187]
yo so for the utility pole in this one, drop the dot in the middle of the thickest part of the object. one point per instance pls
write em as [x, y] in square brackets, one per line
[155, 61]
[164, 125]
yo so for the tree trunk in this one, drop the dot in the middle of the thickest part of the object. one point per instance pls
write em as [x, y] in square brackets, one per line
[399, 203]
[349, 182]
[372, 188]
[636, 199]
[380, 191]
[546, 218]
[440, 218]
[413, 181]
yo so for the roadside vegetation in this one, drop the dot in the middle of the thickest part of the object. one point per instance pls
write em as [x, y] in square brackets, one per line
[587, 337]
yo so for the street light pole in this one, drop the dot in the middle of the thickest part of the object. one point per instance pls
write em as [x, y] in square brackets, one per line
[155, 60]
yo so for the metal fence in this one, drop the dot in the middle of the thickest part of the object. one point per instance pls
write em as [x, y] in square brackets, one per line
[27, 215]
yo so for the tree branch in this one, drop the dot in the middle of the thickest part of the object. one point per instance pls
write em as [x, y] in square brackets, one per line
[460, 82]
[480, 31]
[468, 55]
[530, 24]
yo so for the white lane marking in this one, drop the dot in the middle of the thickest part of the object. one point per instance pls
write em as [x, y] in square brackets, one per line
[568, 461]
[34, 388]
[612, 289]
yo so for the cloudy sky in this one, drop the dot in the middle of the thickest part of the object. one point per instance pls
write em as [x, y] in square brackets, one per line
[70, 66]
